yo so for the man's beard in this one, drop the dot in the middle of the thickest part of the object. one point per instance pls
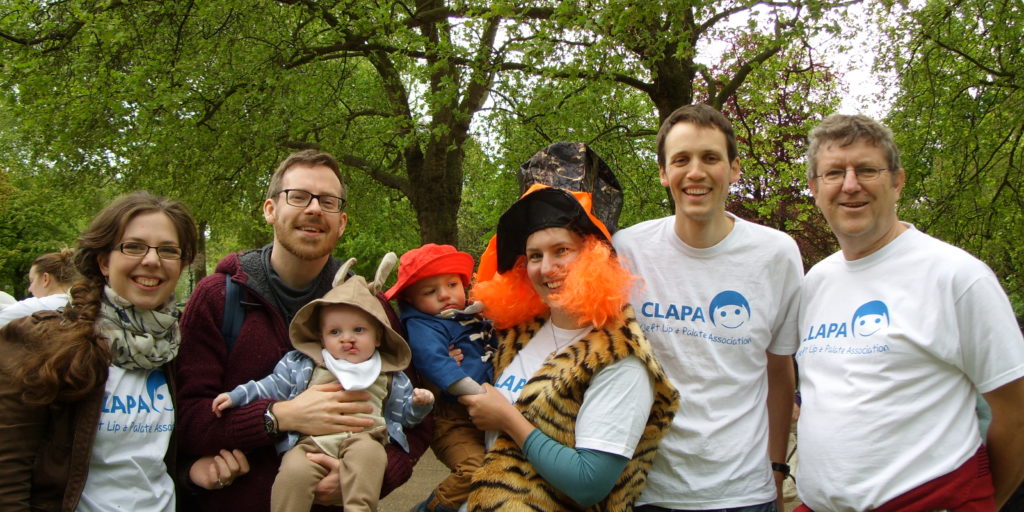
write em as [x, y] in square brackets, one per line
[305, 250]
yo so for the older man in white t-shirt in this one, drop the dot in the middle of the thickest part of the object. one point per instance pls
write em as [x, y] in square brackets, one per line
[899, 332]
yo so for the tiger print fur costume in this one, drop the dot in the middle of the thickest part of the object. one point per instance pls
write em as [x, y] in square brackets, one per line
[550, 400]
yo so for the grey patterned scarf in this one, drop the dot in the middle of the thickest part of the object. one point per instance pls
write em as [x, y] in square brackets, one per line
[139, 338]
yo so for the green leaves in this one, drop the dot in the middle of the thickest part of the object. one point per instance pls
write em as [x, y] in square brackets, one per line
[430, 106]
[958, 115]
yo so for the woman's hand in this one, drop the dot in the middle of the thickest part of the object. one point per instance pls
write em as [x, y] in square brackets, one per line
[218, 471]
[491, 411]
[324, 409]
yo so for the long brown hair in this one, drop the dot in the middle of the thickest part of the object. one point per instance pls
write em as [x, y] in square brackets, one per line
[65, 360]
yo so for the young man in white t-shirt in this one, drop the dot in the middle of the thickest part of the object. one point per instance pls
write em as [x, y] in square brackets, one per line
[719, 307]
[899, 332]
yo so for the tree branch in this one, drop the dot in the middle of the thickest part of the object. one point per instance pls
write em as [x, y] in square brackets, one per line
[480, 79]
[384, 178]
[63, 36]
[740, 75]
[970, 59]
[214, 106]
[433, 15]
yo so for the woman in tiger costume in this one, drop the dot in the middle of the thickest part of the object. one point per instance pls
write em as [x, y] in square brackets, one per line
[579, 403]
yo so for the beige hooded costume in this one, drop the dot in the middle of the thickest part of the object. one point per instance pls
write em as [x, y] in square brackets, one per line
[394, 351]
[362, 457]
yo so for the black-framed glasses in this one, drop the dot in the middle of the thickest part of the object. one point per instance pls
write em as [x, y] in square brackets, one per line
[836, 176]
[300, 199]
[140, 250]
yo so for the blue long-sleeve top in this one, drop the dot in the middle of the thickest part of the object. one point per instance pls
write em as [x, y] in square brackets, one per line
[429, 337]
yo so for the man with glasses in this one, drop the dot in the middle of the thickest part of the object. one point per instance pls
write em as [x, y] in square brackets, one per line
[305, 205]
[719, 307]
[899, 331]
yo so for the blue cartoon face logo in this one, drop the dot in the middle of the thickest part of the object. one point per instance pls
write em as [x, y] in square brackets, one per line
[157, 391]
[729, 309]
[870, 318]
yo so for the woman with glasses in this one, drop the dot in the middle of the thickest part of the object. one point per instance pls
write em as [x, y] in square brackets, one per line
[86, 408]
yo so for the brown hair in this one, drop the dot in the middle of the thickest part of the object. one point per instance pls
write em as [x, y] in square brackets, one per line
[59, 265]
[847, 129]
[108, 225]
[700, 115]
[309, 157]
[67, 360]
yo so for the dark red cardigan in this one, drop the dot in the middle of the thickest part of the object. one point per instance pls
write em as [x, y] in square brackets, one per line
[204, 371]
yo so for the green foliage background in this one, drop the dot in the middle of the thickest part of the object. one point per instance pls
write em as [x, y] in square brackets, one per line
[432, 107]
[958, 116]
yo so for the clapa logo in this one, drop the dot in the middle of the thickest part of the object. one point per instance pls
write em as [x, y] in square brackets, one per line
[729, 309]
[869, 319]
[159, 393]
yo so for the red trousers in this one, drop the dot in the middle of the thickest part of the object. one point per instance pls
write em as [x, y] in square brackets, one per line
[967, 488]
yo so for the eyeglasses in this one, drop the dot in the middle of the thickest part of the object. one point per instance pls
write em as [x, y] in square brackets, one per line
[836, 176]
[140, 250]
[300, 199]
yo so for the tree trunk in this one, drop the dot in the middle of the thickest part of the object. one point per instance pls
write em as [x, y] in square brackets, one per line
[436, 191]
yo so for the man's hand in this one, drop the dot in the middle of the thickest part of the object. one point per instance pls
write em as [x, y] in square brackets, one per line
[324, 409]
[781, 389]
[780, 500]
[1005, 439]
[328, 491]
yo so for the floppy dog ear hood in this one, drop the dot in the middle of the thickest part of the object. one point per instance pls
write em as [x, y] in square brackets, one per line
[356, 292]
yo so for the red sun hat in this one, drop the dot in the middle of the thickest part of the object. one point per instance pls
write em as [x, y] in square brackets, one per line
[431, 260]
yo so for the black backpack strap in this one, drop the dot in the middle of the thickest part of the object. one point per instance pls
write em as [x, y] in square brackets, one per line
[234, 313]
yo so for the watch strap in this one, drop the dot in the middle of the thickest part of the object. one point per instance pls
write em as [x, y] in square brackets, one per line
[270, 421]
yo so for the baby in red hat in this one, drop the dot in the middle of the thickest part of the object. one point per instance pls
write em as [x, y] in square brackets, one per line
[431, 293]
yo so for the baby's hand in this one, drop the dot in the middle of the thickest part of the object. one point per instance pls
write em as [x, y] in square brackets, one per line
[223, 401]
[422, 396]
[456, 354]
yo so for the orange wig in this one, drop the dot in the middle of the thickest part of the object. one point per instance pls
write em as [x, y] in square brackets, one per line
[595, 290]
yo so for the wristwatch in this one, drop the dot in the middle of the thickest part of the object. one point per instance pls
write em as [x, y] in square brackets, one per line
[270, 421]
[781, 468]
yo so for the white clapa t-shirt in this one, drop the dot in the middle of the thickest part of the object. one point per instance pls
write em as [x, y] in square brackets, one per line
[711, 314]
[894, 349]
[127, 470]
